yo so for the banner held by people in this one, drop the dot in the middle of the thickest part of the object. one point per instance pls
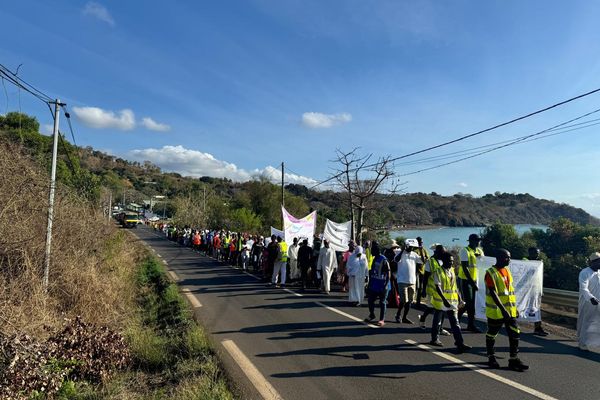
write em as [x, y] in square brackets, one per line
[303, 228]
[528, 279]
[338, 234]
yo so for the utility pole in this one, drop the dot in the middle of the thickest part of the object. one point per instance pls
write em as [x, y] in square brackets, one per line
[57, 105]
[109, 206]
[282, 181]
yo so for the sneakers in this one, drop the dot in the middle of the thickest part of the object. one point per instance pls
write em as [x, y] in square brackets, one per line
[445, 332]
[421, 322]
[407, 321]
[463, 348]
[436, 343]
[370, 318]
[540, 332]
[493, 363]
[517, 365]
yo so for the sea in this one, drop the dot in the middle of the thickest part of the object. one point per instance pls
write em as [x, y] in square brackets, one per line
[453, 236]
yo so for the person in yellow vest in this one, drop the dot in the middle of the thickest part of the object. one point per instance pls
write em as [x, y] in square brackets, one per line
[445, 300]
[421, 283]
[279, 269]
[501, 309]
[467, 279]
[431, 265]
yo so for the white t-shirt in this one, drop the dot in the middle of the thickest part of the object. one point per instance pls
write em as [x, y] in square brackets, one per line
[407, 268]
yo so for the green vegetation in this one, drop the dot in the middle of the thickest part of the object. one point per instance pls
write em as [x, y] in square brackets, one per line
[564, 247]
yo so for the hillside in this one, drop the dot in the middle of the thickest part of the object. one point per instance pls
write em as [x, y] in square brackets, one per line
[255, 205]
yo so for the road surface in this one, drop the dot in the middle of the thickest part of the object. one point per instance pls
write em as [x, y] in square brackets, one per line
[282, 343]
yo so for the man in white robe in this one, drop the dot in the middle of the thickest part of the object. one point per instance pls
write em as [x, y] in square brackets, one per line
[588, 321]
[357, 269]
[293, 260]
[326, 264]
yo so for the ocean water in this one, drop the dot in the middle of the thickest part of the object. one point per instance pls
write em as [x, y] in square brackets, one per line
[453, 236]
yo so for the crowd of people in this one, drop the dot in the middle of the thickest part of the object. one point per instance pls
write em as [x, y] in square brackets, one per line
[400, 276]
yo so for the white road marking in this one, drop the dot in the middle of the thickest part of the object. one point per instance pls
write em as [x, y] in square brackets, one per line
[263, 386]
[292, 292]
[249, 274]
[193, 299]
[173, 276]
[484, 372]
[352, 317]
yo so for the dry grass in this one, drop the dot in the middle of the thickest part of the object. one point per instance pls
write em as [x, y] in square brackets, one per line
[91, 265]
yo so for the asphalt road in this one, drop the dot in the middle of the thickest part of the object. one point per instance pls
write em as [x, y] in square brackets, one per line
[278, 343]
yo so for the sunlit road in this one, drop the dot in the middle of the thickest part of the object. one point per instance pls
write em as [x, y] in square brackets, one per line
[287, 344]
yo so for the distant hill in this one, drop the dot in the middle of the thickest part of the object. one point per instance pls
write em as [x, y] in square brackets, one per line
[94, 174]
[459, 209]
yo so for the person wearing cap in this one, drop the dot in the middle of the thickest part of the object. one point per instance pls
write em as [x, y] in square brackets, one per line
[467, 279]
[445, 300]
[379, 284]
[432, 264]
[501, 310]
[406, 277]
[588, 320]
[326, 264]
[423, 256]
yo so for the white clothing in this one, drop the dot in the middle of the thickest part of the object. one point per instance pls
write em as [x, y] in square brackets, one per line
[293, 259]
[357, 269]
[326, 263]
[278, 269]
[588, 321]
[407, 267]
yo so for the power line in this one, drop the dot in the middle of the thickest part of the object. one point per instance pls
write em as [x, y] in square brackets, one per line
[19, 82]
[531, 114]
[68, 117]
[519, 140]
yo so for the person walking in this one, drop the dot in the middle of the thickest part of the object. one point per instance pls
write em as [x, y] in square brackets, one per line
[432, 264]
[467, 279]
[293, 260]
[326, 264]
[445, 300]
[407, 279]
[423, 257]
[280, 263]
[304, 262]
[379, 284]
[501, 309]
[357, 269]
[588, 321]
[273, 256]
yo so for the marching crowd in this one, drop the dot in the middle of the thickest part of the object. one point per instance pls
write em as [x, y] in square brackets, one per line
[400, 276]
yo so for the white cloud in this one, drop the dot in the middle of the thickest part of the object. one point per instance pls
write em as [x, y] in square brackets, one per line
[47, 129]
[195, 163]
[155, 126]
[320, 120]
[463, 184]
[98, 11]
[95, 117]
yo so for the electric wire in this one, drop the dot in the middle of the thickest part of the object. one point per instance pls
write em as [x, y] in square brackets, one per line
[480, 132]
[16, 80]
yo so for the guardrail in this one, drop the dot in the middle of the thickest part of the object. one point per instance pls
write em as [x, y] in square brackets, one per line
[561, 298]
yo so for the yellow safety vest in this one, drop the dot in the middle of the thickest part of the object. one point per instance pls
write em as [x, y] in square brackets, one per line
[422, 253]
[472, 260]
[284, 251]
[505, 294]
[370, 257]
[433, 265]
[449, 289]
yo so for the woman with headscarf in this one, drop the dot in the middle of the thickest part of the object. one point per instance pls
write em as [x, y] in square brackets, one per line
[357, 270]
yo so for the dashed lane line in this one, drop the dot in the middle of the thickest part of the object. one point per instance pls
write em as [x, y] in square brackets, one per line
[193, 299]
[266, 390]
[483, 372]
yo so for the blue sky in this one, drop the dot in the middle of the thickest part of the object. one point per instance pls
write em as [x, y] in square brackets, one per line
[232, 88]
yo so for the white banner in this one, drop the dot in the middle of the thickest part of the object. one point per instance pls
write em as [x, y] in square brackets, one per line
[303, 228]
[338, 235]
[528, 280]
[277, 232]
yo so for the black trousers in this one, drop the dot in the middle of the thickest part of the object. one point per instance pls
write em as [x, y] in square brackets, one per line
[512, 330]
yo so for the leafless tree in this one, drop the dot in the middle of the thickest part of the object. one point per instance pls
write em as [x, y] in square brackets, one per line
[362, 178]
